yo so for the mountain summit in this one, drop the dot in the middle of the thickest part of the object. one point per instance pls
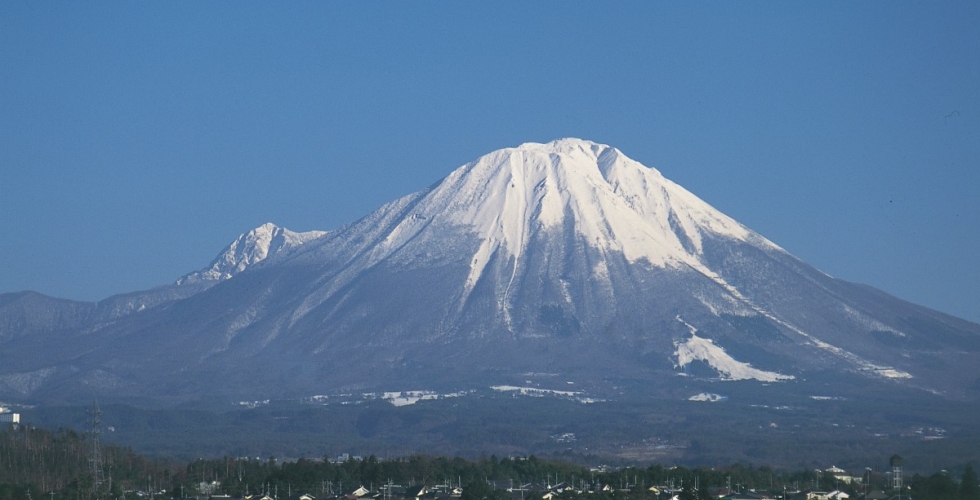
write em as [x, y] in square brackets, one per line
[567, 259]
[580, 190]
[267, 240]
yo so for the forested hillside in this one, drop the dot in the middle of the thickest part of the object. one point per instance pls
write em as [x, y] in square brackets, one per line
[37, 463]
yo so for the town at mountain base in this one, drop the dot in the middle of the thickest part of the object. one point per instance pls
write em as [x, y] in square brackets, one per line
[65, 465]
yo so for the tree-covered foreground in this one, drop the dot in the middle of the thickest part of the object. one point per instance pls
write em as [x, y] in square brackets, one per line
[38, 464]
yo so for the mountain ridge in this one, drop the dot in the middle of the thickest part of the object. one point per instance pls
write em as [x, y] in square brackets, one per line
[250, 248]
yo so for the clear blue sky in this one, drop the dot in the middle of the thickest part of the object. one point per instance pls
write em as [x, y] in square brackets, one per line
[137, 139]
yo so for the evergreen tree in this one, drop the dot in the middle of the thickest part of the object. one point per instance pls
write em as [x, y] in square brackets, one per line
[969, 490]
[477, 490]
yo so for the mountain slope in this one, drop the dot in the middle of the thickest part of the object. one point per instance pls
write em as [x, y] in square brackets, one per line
[566, 258]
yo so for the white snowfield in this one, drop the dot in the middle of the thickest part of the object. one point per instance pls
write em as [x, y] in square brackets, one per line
[701, 349]
[406, 398]
[533, 391]
[707, 397]
[536, 392]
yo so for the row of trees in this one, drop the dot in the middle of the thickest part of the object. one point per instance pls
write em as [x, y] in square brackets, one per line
[941, 486]
[57, 465]
[36, 464]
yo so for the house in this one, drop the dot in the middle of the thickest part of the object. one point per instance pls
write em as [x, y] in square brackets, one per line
[556, 490]
[258, 497]
[359, 492]
[841, 475]
[561, 487]
[416, 492]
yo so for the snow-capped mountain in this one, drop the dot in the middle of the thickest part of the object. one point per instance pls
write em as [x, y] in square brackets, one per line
[566, 258]
[261, 243]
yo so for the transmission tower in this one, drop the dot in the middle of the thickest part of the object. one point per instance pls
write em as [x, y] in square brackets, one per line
[95, 429]
[896, 462]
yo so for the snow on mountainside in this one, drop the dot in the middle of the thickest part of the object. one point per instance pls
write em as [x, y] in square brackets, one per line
[614, 203]
[700, 349]
[248, 249]
[514, 199]
[566, 258]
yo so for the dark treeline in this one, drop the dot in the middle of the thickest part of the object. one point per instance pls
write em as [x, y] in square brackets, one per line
[37, 464]
[57, 465]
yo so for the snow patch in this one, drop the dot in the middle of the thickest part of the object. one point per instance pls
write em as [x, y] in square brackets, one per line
[888, 372]
[708, 397]
[253, 404]
[535, 392]
[860, 363]
[702, 349]
[406, 398]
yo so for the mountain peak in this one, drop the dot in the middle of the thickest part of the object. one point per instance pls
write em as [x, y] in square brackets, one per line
[609, 201]
[261, 243]
[564, 144]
